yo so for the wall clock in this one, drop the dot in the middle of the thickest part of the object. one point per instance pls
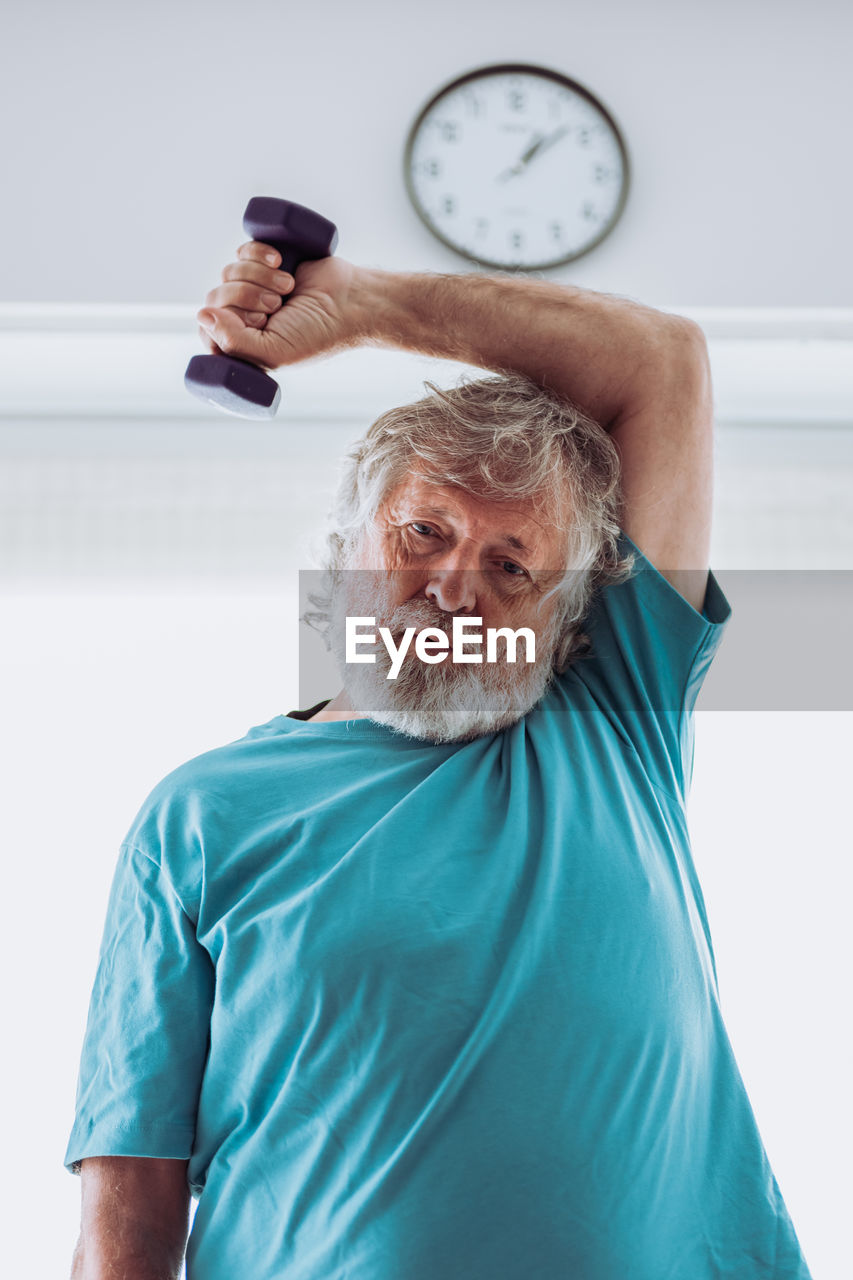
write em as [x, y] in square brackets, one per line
[517, 167]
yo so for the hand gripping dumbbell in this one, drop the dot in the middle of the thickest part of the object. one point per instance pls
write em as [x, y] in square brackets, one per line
[299, 235]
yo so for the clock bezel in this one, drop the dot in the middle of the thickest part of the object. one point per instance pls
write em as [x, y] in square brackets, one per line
[545, 73]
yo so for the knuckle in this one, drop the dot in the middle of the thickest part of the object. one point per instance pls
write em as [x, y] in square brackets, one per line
[236, 271]
[247, 296]
[262, 250]
[229, 295]
[254, 251]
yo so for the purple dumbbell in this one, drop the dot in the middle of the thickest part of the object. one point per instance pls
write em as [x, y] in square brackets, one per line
[299, 235]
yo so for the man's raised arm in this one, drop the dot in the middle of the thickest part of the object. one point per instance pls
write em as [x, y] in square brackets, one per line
[641, 373]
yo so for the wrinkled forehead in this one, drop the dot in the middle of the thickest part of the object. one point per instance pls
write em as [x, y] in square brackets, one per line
[525, 521]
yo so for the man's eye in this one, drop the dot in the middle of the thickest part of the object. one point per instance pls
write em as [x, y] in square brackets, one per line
[423, 529]
[515, 570]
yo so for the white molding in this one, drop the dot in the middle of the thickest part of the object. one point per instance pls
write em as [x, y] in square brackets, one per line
[804, 323]
[98, 317]
[60, 360]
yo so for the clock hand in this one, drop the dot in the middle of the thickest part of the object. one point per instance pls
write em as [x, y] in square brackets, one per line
[524, 160]
[540, 143]
[550, 140]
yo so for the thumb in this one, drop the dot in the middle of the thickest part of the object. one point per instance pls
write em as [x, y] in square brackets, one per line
[234, 338]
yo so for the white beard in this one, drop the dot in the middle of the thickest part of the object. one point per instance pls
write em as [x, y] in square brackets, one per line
[443, 701]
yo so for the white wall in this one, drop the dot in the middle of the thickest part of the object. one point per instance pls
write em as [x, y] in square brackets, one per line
[133, 137]
[141, 130]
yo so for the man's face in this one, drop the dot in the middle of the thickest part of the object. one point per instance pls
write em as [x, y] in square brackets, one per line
[436, 552]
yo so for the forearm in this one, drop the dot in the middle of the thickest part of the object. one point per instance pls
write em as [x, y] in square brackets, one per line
[135, 1217]
[600, 351]
[125, 1255]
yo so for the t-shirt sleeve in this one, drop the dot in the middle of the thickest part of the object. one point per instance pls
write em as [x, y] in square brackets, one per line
[650, 653]
[146, 1038]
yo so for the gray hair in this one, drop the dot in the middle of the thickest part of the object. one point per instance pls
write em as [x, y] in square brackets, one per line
[499, 438]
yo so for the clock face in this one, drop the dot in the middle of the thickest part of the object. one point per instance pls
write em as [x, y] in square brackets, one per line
[517, 167]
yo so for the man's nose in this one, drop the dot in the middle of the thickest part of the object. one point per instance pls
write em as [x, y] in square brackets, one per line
[454, 590]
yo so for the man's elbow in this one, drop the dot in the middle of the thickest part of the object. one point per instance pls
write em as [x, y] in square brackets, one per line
[675, 350]
[683, 369]
[685, 340]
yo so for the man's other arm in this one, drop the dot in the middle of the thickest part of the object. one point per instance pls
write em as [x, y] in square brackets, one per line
[642, 374]
[135, 1218]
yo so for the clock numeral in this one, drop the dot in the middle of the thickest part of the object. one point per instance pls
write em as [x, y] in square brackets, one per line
[516, 239]
[516, 100]
[449, 204]
[589, 212]
[430, 168]
[584, 136]
[602, 173]
[475, 106]
[482, 226]
[556, 231]
[450, 131]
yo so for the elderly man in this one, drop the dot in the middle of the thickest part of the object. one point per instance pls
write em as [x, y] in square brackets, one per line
[418, 982]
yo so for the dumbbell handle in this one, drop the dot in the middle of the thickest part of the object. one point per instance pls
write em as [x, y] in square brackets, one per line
[299, 235]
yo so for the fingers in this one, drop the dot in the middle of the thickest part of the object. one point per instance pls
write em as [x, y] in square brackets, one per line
[254, 251]
[226, 334]
[252, 319]
[252, 290]
[207, 341]
[251, 286]
[266, 277]
[248, 297]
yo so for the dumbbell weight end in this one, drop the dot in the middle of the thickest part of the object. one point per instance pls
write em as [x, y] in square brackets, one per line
[235, 385]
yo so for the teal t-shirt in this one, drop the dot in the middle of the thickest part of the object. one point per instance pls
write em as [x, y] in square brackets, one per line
[416, 1010]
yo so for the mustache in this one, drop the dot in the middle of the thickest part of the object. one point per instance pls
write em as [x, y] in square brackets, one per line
[416, 613]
